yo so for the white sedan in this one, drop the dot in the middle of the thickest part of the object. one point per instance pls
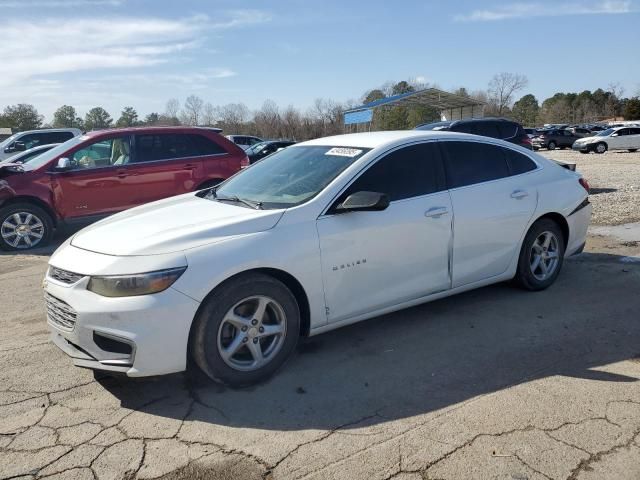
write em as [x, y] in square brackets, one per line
[317, 236]
[620, 138]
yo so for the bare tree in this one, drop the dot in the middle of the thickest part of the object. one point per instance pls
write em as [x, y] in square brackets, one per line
[234, 118]
[172, 109]
[208, 114]
[267, 120]
[192, 110]
[502, 88]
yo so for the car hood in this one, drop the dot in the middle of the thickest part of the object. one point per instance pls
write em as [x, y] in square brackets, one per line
[588, 139]
[172, 225]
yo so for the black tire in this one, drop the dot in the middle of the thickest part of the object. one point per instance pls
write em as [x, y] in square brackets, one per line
[632, 150]
[204, 343]
[600, 147]
[552, 145]
[44, 228]
[525, 277]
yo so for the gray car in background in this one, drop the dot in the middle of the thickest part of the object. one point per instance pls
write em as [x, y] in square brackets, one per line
[22, 141]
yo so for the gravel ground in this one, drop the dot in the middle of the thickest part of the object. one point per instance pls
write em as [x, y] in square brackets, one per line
[614, 178]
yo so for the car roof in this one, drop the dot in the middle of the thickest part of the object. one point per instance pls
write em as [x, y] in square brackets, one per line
[47, 130]
[168, 129]
[387, 138]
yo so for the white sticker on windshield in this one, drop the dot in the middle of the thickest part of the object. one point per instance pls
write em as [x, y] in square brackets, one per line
[344, 152]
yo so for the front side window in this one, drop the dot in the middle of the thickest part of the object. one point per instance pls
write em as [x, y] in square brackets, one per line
[103, 153]
[31, 140]
[408, 172]
[468, 163]
[289, 177]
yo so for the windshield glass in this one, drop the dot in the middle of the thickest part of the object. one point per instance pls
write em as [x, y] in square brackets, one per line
[7, 141]
[289, 177]
[46, 157]
[256, 147]
[605, 133]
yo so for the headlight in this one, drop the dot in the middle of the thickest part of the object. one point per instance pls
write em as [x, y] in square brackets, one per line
[137, 284]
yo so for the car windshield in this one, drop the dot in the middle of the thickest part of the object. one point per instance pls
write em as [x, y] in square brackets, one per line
[46, 157]
[605, 133]
[255, 148]
[287, 178]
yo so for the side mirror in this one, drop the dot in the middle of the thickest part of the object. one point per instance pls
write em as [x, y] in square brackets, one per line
[364, 202]
[63, 165]
[19, 146]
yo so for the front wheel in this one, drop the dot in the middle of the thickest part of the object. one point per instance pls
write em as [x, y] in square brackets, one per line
[541, 255]
[552, 145]
[601, 147]
[24, 226]
[246, 330]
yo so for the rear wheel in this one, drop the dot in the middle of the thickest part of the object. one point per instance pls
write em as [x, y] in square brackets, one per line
[246, 330]
[601, 147]
[552, 145]
[24, 226]
[541, 255]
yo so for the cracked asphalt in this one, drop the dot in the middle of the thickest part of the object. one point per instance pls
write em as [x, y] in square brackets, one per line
[494, 383]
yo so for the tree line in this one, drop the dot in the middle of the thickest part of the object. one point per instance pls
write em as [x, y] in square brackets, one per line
[325, 117]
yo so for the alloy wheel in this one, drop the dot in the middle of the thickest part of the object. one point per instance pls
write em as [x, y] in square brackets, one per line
[252, 333]
[22, 230]
[544, 256]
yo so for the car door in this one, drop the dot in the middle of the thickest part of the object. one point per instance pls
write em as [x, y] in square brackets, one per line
[372, 260]
[633, 139]
[93, 185]
[163, 165]
[618, 140]
[493, 202]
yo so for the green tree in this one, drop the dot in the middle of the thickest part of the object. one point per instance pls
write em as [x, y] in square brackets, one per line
[128, 118]
[152, 119]
[632, 109]
[402, 87]
[526, 110]
[97, 118]
[66, 117]
[373, 95]
[21, 117]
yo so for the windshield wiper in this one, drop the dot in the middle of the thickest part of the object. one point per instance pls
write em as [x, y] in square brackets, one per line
[235, 198]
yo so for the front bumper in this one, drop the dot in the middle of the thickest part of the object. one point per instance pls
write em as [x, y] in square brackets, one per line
[138, 336]
[585, 147]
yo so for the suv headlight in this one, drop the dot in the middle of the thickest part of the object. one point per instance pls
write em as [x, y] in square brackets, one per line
[133, 285]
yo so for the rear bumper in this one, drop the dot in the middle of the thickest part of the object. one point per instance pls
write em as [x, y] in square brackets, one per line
[578, 224]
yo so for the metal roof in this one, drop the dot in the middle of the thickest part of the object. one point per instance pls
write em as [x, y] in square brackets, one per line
[431, 97]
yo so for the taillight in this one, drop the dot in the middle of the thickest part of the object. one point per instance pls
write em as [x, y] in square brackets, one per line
[526, 141]
[244, 162]
[584, 184]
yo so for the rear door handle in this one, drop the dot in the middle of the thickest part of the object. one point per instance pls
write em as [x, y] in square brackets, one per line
[518, 194]
[190, 166]
[436, 212]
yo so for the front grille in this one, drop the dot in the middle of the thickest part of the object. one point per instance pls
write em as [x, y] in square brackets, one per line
[60, 313]
[64, 276]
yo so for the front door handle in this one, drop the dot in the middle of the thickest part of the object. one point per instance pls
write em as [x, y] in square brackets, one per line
[436, 212]
[518, 194]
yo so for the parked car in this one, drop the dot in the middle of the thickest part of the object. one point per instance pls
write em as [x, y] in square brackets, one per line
[532, 132]
[244, 141]
[580, 131]
[554, 138]
[501, 128]
[261, 150]
[22, 141]
[103, 172]
[319, 235]
[620, 138]
[28, 155]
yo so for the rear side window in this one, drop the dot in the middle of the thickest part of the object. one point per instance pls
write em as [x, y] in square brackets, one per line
[468, 163]
[408, 172]
[205, 146]
[57, 137]
[487, 129]
[518, 162]
[151, 148]
[507, 130]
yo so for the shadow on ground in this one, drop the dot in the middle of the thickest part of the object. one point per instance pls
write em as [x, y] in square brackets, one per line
[428, 357]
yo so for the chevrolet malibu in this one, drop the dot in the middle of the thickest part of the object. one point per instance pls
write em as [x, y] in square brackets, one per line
[317, 236]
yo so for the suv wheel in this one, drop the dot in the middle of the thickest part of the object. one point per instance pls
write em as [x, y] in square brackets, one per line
[551, 145]
[541, 255]
[246, 330]
[24, 226]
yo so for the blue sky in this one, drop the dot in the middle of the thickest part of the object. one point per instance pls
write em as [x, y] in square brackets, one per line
[115, 53]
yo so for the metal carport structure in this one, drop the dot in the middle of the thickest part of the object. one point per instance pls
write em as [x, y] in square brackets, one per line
[450, 105]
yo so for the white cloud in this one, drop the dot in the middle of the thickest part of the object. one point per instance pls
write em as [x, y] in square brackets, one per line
[57, 3]
[529, 10]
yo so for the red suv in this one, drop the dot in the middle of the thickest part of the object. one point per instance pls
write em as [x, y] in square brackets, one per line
[103, 172]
